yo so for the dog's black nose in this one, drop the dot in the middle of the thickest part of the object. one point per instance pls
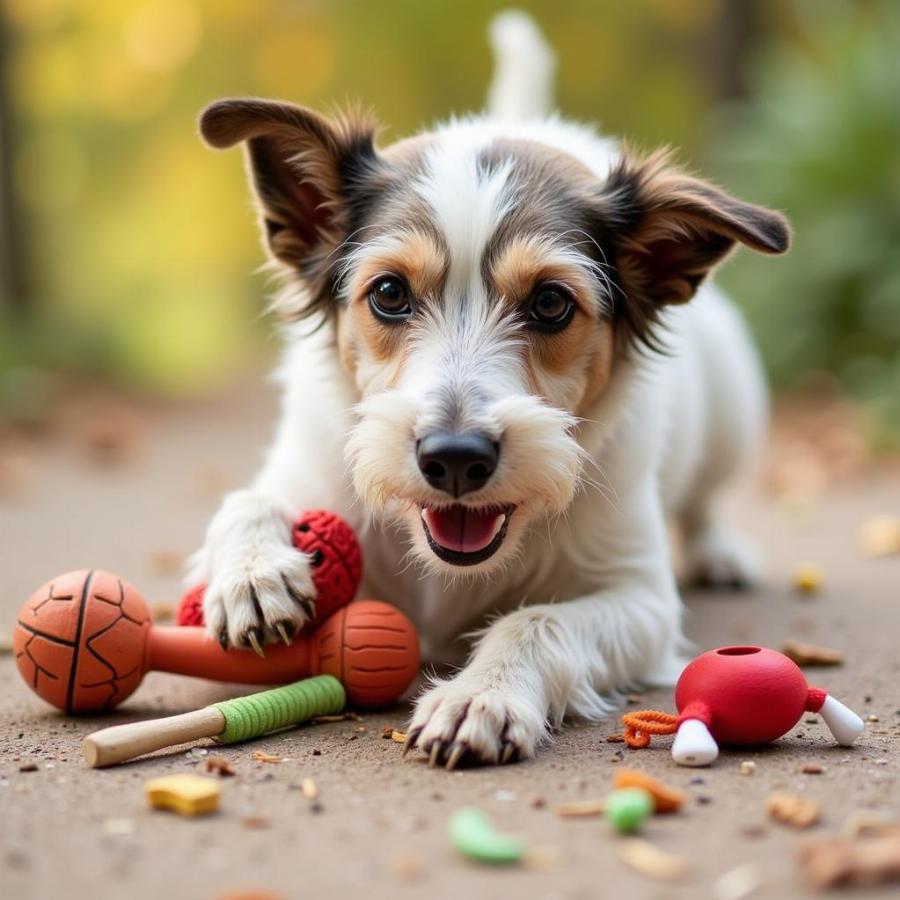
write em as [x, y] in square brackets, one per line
[457, 463]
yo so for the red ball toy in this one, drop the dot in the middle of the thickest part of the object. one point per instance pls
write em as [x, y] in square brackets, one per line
[335, 557]
[738, 696]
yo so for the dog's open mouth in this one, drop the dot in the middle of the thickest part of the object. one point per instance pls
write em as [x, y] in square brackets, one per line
[465, 535]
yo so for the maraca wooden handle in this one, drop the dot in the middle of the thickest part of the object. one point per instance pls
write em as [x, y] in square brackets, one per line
[120, 742]
[228, 722]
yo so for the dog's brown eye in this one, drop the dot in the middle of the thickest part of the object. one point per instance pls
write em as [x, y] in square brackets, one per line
[389, 299]
[551, 308]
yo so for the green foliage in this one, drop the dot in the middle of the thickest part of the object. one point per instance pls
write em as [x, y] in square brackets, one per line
[143, 240]
[820, 139]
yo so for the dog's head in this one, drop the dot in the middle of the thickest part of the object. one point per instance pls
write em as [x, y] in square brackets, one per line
[483, 290]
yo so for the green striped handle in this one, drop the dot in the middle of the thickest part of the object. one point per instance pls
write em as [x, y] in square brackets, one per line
[257, 714]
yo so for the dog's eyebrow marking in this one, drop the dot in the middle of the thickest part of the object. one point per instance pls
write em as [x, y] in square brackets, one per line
[468, 199]
[526, 259]
[416, 255]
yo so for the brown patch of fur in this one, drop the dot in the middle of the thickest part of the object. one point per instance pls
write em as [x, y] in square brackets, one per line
[422, 263]
[600, 368]
[526, 261]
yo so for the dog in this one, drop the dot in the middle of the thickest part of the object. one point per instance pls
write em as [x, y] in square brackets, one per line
[505, 364]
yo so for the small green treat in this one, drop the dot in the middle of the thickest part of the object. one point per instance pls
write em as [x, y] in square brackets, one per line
[473, 836]
[628, 808]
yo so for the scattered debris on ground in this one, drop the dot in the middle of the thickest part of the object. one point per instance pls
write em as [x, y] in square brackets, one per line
[792, 809]
[407, 866]
[162, 611]
[263, 757]
[309, 789]
[649, 860]
[665, 798]
[220, 766]
[811, 654]
[165, 561]
[575, 809]
[737, 883]
[807, 578]
[868, 860]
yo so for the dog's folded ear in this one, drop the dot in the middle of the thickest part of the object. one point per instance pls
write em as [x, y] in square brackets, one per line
[670, 230]
[302, 167]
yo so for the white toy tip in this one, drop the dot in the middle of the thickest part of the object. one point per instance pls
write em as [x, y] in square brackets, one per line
[694, 745]
[844, 724]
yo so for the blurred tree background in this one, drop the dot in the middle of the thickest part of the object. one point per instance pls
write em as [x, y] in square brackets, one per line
[128, 251]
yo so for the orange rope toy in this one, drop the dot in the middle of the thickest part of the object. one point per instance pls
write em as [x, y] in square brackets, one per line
[640, 725]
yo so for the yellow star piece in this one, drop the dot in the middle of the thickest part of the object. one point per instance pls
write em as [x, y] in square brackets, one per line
[187, 795]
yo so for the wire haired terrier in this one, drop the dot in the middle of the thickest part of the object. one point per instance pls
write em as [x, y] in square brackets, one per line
[509, 378]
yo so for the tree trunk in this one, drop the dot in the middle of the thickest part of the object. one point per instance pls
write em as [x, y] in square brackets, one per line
[734, 33]
[13, 288]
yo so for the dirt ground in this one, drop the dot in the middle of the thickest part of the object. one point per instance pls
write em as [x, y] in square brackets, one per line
[75, 498]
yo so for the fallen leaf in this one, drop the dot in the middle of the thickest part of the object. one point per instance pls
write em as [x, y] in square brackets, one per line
[580, 808]
[221, 766]
[793, 810]
[811, 654]
[838, 861]
[644, 857]
[263, 757]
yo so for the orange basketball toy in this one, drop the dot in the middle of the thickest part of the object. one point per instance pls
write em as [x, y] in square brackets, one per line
[84, 640]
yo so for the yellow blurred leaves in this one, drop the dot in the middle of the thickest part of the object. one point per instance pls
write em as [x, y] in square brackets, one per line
[161, 35]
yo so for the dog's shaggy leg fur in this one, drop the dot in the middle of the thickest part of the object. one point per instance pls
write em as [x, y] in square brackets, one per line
[539, 663]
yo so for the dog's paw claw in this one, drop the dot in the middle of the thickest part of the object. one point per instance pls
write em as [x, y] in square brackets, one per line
[457, 725]
[259, 598]
[457, 752]
[286, 630]
[252, 639]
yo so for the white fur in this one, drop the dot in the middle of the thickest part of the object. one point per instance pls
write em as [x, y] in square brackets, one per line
[584, 603]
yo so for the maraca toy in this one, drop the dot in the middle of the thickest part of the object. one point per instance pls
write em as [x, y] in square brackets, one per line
[84, 640]
[335, 557]
[741, 697]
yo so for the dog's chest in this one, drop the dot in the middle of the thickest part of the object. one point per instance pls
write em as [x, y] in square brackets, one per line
[446, 612]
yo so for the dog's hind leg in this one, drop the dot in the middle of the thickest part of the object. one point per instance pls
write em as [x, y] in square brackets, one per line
[734, 425]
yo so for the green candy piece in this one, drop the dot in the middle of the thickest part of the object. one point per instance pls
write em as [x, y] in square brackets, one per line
[628, 808]
[473, 835]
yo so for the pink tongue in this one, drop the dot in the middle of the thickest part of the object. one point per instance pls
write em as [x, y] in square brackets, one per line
[461, 529]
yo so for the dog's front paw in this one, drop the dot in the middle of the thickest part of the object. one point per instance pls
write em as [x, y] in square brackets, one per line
[259, 596]
[466, 720]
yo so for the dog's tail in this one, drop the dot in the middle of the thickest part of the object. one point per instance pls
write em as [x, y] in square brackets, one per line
[524, 66]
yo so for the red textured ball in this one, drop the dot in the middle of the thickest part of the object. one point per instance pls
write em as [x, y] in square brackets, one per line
[336, 558]
[336, 561]
[190, 610]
